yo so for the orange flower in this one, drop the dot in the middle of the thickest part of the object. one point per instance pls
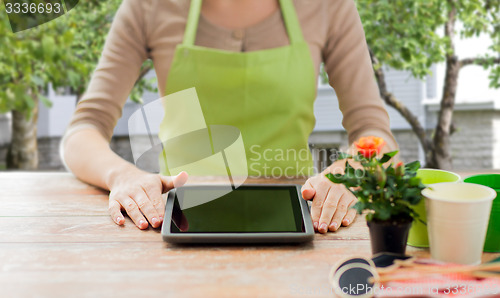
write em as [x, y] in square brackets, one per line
[369, 146]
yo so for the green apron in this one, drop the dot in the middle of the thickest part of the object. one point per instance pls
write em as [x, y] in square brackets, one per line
[267, 94]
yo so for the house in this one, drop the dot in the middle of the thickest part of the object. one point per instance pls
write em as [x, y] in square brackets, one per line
[475, 144]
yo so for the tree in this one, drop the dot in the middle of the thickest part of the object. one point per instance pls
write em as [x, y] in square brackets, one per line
[403, 34]
[62, 53]
[28, 60]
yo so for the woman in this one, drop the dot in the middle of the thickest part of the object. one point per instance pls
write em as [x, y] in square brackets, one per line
[254, 65]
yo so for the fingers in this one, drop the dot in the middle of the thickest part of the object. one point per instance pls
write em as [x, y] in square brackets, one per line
[141, 197]
[349, 217]
[340, 212]
[344, 214]
[134, 213]
[114, 211]
[169, 182]
[307, 190]
[153, 194]
[137, 207]
[154, 212]
[330, 207]
[322, 187]
[146, 207]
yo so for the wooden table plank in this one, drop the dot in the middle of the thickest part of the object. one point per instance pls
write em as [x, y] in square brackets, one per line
[100, 228]
[156, 269]
[36, 183]
[102, 256]
[60, 183]
[182, 271]
[53, 205]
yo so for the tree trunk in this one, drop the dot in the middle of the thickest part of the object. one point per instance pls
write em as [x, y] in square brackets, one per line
[23, 149]
[441, 155]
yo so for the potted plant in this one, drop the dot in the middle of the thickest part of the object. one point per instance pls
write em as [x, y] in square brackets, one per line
[385, 192]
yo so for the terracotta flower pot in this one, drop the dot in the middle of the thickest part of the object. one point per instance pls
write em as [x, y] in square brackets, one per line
[389, 235]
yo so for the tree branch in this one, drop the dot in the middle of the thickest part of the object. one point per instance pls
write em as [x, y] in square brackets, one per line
[391, 100]
[143, 72]
[478, 61]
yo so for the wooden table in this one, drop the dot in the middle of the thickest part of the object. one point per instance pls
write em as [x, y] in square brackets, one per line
[57, 240]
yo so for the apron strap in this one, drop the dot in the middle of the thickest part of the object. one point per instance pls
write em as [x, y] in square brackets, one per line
[291, 21]
[192, 23]
[287, 10]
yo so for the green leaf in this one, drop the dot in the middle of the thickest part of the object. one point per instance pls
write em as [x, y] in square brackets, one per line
[48, 47]
[349, 170]
[38, 81]
[136, 97]
[387, 156]
[359, 207]
[342, 155]
[46, 101]
[383, 212]
[335, 178]
[412, 166]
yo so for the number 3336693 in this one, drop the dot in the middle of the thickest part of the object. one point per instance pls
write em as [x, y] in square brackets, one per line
[41, 8]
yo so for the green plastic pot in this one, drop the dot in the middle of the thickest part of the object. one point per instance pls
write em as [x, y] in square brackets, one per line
[492, 242]
[418, 232]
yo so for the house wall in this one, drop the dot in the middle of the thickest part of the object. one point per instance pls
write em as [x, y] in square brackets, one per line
[408, 142]
[474, 142]
[406, 88]
[474, 145]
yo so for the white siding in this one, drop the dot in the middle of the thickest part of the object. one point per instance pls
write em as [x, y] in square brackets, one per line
[407, 89]
[326, 110]
[431, 83]
[121, 128]
[52, 122]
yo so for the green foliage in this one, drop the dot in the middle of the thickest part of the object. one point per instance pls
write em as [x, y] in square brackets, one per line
[387, 192]
[483, 17]
[29, 60]
[406, 34]
[403, 33]
[62, 52]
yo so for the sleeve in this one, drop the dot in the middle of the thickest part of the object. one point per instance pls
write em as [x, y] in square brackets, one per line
[118, 68]
[348, 64]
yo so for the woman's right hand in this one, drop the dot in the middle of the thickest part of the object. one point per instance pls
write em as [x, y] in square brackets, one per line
[140, 195]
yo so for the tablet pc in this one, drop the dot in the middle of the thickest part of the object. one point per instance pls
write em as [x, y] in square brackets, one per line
[248, 214]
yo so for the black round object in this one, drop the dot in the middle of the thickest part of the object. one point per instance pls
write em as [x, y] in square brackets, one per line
[359, 260]
[353, 280]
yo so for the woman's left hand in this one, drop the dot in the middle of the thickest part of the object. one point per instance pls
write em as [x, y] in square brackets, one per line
[331, 203]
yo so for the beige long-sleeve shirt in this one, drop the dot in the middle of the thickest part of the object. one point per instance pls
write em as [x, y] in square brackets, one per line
[145, 29]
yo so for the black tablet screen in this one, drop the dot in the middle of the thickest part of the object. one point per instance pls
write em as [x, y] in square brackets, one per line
[248, 209]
